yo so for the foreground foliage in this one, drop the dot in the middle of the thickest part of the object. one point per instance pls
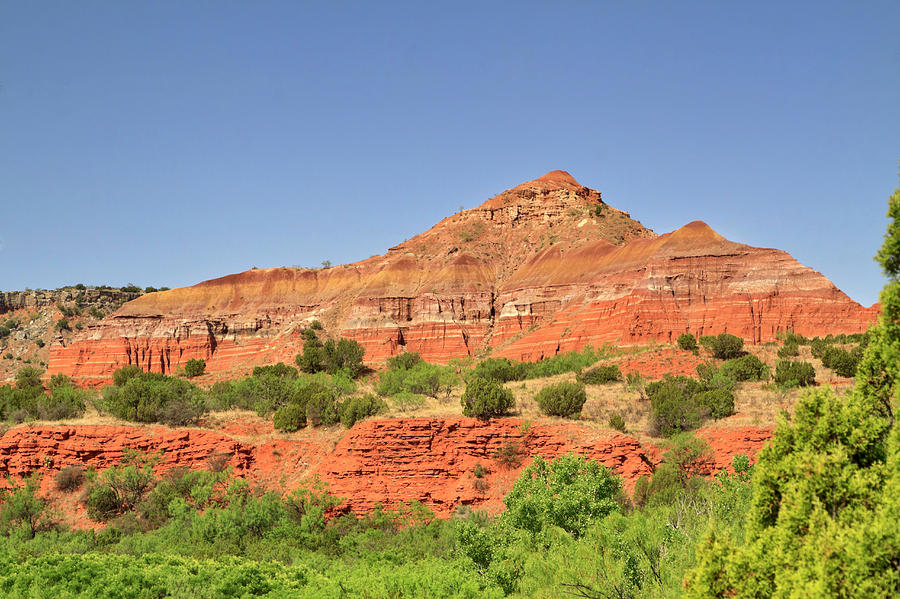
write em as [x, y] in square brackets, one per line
[826, 494]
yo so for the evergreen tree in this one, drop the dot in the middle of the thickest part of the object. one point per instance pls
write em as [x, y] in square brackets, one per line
[823, 520]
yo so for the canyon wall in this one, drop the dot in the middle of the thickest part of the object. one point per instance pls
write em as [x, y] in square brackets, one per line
[386, 461]
[542, 268]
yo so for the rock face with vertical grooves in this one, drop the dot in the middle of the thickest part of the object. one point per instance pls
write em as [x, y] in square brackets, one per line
[541, 268]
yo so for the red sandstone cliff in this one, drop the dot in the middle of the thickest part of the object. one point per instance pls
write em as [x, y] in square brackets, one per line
[541, 268]
[388, 461]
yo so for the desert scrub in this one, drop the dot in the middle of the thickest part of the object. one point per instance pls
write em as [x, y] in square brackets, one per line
[600, 375]
[617, 422]
[562, 399]
[485, 399]
[723, 346]
[794, 374]
[687, 342]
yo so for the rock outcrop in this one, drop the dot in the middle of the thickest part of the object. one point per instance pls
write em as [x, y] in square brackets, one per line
[91, 297]
[387, 461]
[541, 268]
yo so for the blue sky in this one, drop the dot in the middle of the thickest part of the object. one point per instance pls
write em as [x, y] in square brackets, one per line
[168, 143]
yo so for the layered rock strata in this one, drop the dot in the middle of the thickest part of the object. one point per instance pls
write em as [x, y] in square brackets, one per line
[388, 461]
[542, 268]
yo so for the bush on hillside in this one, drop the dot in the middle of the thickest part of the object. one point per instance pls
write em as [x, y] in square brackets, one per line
[719, 403]
[746, 368]
[687, 342]
[29, 377]
[69, 479]
[419, 377]
[600, 375]
[344, 355]
[794, 374]
[788, 350]
[289, 418]
[841, 361]
[484, 398]
[562, 399]
[680, 403]
[121, 376]
[403, 361]
[354, 409]
[280, 369]
[723, 346]
[617, 422]
[321, 409]
[154, 397]
[195, 367]
[501, 370]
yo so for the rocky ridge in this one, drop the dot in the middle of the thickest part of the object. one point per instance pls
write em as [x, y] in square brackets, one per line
[542, 268]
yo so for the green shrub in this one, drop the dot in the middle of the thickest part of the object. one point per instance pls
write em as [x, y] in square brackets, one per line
[484, 398]
[21, 509]
[500, 370]
[794, 374]
[29, 377]
[600, 375]
[63, 325]
[570, 492]
[617, 422]
[354, 409]
[312, 358]
[403, 361]
[289, 418]
[679, 404]
[280, 369]
[194, 367]
[562, 399]
[672, 408]
[718, 402]
[345, 355]
[64, 401]
[841, 361]
[817, 347]
[789, 350]
[687, 342]
[420, 377]
[746, 368]
[154, 397]
[321, 409]
[122, 375]
[792, 338]
[723, 346]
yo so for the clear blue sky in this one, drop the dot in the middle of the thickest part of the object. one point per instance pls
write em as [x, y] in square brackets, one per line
[168, 143]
